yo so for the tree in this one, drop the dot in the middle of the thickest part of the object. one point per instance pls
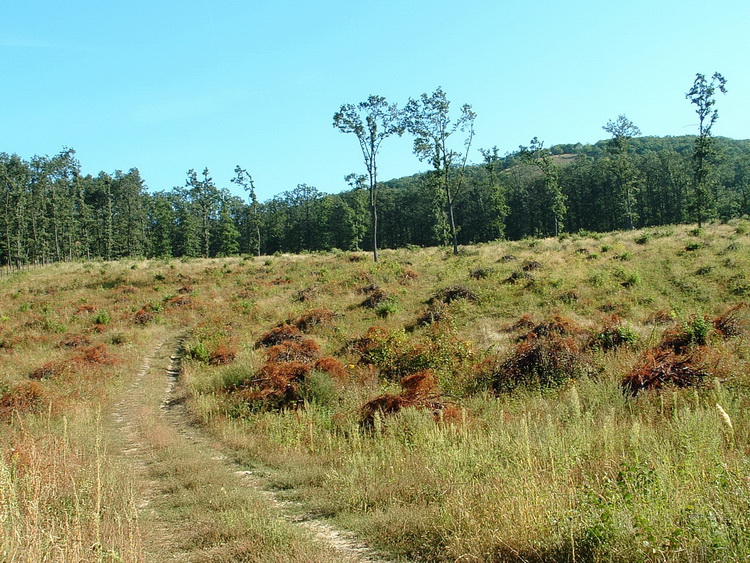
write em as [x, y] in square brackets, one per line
[702, 96]
[205, 198]
[624, 175]
[535, 154]
[371, 121]
[429, 121]
[245, 181]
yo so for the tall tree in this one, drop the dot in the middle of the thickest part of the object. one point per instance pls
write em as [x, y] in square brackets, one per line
[702, 96]
[371, 121]
[624, 174]
[535, 154]
[245, 181]
[429, 121]
[205, 198]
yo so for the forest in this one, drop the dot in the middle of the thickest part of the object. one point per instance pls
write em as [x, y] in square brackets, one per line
[51, 212]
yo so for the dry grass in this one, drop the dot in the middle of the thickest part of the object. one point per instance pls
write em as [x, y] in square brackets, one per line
[455, 471]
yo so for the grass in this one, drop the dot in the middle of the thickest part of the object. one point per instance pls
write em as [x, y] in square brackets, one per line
[573, 469]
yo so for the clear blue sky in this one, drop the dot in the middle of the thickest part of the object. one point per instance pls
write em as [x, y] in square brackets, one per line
[165, 86]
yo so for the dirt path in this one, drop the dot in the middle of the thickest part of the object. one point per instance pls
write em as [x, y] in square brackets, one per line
[154, 422]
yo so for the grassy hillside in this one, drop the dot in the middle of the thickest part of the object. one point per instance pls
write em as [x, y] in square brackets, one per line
[581, 398]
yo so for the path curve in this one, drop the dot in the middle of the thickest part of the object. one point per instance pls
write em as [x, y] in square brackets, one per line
[164, 363]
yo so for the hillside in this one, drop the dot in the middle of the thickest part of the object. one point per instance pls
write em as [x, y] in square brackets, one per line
[583, 397]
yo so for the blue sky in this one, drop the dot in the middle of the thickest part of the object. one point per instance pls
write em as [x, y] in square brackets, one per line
[167, 86]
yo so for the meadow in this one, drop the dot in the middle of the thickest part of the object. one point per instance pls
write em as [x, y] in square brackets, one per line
[580, 398]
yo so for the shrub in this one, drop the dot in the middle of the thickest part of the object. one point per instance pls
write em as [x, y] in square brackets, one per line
[318, 387]
[692, 332]
[199, 352]
[102, 318]
[386, 309]
[614, 335]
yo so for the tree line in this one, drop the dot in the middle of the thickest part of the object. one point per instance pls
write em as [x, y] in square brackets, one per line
[51, 212]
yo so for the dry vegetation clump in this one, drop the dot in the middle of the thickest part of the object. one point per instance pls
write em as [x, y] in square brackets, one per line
[517, 277]
[525, 323]
[222, 355]
[75, 341]
[375, 298]
[277, 335]
[277, 386]
[181, 300]
[661, 367]
[680, 358]
[661, 317]
[367, 289]
[450, 294]
[85, 309]
[508, 258]
[694, 332]
[303, 350]
[95, 355]
[49, 370]
[557, 325]
[434, 314]
[420, 390]
[408, 275]
[331, 366]
[732, 322]
[549, 354]
[145, 315]
[372, 339]
[312, 318]
[481, 273]
[185, 289]
[307, 294]
[27, 396]
[532, 265]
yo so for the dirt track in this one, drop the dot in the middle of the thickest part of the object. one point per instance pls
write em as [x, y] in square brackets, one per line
[152, 415]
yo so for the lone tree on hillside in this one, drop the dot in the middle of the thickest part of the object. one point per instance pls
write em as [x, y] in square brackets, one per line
[702, 95]
[245, 181]
[428, 120]
[371, 121]
[624, 174]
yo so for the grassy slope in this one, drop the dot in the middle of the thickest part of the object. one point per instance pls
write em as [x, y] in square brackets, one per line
[574, 472]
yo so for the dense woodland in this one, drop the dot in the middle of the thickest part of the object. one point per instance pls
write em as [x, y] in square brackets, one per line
[51, 212]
